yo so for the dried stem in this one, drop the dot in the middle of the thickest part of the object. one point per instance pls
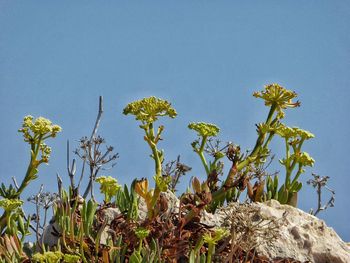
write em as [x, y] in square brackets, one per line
[319, 182]
[89, 188]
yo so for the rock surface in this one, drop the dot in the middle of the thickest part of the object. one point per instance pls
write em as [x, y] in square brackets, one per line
[301, 236]
[51, 234]
[304, 237]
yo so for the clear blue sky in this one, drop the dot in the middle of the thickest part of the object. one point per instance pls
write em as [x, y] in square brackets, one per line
[206, 57]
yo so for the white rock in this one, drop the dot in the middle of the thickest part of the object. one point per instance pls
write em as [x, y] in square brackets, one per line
[173, 201]
[142, 210]
[51, 234]
[110, 213]
[173, 205]
[302, 236]
[212, 220]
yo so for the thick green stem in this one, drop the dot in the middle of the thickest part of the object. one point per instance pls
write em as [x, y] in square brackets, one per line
[140, 246]
[152, 144]
[211, 248]
[32, 165]
[298, 174]
[287, 152]
[158, 165]
[200, 152]
[269, 139]
[261, 137]
[26, 179]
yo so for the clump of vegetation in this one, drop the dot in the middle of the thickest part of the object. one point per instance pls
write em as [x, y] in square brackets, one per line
[115, 230]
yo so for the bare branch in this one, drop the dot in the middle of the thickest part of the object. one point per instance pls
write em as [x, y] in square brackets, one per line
[59, 184]
[91, 153]
[71, 170]
[82, 174]
[319, 182]
[98, 119]
[15, 182]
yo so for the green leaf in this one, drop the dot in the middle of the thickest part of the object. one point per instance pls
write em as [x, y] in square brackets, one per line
[192, 257]
[275, 182]
[269, 195]
[135, 257]
[283, 195]
[21, 225]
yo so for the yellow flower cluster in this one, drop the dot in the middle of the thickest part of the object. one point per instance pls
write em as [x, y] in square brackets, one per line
[204, 129]
[35, 132]
[219, 234]
[279, 97]
[39, 128]
[162, 182]
[147, 110]
[142, 233]
[68, 258]
[49, 256]
[294, 132]
[266, 128]
[108, 186]
[303, 158]
[10, 204]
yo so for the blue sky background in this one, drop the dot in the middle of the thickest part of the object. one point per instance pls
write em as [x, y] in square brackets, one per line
[206, 57]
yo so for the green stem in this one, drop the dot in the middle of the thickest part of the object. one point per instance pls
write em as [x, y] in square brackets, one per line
[271, 112]
[261, 137]
[211, 248]
[269, 139]
[152, 144]
[158, 166]
[26, 179]
[140, 246]
[300, 144]
[298, 174]
[287, 152]
[200, 152]
[31, 166]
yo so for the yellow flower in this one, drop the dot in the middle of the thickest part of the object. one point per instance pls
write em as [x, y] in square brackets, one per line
[204, 129]
[219, 234]
[286, 132]
[303, 134]
[293, 132]
[10, 204]
[108, 186]
[142, 232]
[68, 258]
[147, 110]
[266, 128]
[41, 127]
[303, 159]
[162, 182]
[278, 96]
[50, 257]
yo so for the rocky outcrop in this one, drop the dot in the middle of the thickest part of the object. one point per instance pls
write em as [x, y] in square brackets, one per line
[300, 235]
[303, 236]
